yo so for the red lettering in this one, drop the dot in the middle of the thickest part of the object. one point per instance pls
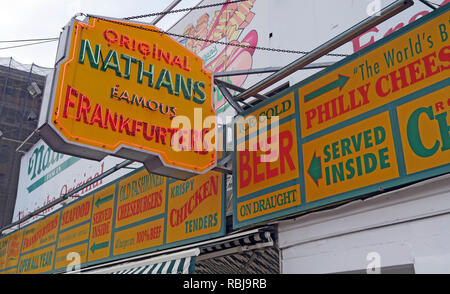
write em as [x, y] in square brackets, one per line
[97, 116]
[310, 114]
[429, 63]
[357, 43]
[445, 56]
[83, 109]
[379, 87]
[245, 171]
[413, 71]
[69, 103]
[286, 142]
[108, 33]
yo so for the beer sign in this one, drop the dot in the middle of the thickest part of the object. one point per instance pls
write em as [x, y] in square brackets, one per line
[374, 121]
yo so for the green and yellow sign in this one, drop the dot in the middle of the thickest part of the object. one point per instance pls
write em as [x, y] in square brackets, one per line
[375, 120]
[138, 213]
[143, 81]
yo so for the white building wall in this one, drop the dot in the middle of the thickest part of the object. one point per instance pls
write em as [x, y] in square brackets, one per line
[410, 226]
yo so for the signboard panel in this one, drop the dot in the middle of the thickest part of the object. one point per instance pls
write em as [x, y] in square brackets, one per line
[424, 128]
[41, 233]
[10, 249]
[74, 235]
[140, 196]
[77, 213]
[147, 235]
[101, 223]
[194, 207]
[148, 103]
[66, 257]
[257, 170]
[119, 220]
[402, 66]
[357, 156]
[38, 261]
[373, 121]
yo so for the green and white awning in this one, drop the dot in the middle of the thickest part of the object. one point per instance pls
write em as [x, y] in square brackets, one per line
[176, 263]
[179, 266]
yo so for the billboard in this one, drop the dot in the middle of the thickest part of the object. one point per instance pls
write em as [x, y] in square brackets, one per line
[125, 89]
[373, 121]
[46, 175]
[135, 214]
[298, 26]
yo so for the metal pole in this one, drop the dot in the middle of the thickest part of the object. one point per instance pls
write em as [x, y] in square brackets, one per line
[66, 196]
[169, 8]
[327, 47]
[26, 140]
[267, 70]
[239, 89]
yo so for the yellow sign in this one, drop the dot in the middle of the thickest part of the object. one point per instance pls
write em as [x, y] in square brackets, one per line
[267, 115]
[269, 203]
[139, 197]
[262, 165]
[127, 89]
[194, 207]
[76, 213]
[406, 64]
[353, 157]
[139, 237]
[36, 262]
[42, 233]
[101, 223]
[425, 131]
[10, 250]
[75, 235]
[75, 255]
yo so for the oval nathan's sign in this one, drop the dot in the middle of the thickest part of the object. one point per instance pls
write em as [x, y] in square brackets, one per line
[126, 89]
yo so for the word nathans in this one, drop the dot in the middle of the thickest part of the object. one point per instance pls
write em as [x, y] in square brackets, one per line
[81, 109]
[122, 66]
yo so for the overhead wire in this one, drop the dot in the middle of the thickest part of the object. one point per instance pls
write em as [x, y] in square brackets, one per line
[27, 40]
[30, 44]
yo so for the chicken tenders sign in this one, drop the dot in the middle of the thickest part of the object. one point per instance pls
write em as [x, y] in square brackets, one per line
[126, 89]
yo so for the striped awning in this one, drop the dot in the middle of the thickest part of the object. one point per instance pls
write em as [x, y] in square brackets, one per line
[176, 263]
[179, 266]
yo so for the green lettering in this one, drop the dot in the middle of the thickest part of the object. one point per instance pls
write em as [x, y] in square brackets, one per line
[94, 58]
[112, 55]
[412, 131]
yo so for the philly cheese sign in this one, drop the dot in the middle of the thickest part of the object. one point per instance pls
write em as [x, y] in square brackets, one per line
[373, 121]
[126, 89]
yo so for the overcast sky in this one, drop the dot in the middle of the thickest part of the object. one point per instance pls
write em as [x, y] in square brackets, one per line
[30, 19]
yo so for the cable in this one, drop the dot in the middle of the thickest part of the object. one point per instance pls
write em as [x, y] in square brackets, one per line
[28, 40]
[10, 47]
[137, 26]
[183, 9]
